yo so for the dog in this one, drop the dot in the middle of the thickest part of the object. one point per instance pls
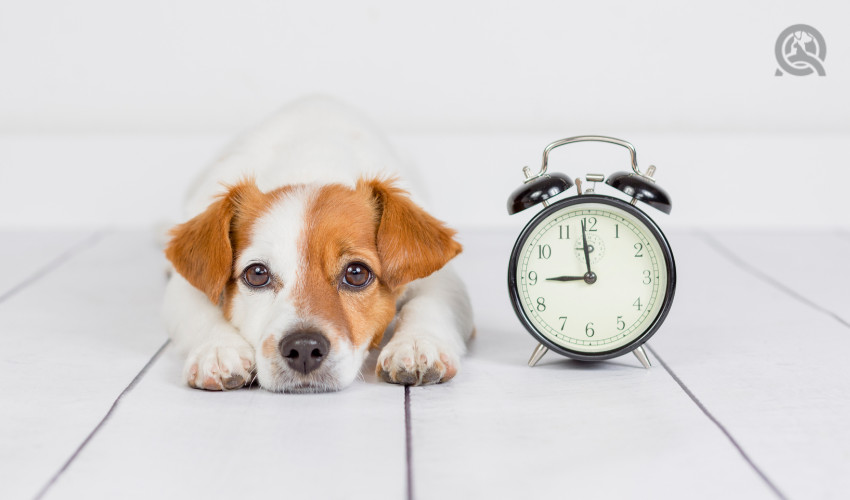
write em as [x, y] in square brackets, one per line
[301, 248]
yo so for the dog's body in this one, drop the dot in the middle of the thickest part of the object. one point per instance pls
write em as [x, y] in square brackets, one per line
[298, 254]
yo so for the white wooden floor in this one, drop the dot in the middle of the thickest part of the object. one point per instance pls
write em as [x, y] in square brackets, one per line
[749, 396]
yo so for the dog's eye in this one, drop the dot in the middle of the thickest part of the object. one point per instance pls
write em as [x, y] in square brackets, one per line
[256, 275]
[357, 275]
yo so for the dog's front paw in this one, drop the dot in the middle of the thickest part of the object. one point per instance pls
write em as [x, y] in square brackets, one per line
[412, 361]
[220, 366]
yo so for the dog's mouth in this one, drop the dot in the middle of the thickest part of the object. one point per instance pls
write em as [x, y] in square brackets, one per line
[309, 388]
[288, 381]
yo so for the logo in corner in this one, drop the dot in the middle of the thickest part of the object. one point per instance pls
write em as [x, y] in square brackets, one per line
[800, 51]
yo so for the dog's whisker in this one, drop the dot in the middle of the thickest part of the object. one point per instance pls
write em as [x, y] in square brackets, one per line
[252, 380]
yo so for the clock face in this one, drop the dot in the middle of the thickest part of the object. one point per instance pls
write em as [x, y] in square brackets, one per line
[607, 307]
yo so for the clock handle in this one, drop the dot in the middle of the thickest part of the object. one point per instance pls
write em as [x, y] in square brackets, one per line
[593, 138]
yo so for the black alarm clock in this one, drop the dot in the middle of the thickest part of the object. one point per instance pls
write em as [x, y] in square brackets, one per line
[591, 276]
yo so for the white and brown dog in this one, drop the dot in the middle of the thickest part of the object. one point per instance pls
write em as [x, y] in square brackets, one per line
[299, 253]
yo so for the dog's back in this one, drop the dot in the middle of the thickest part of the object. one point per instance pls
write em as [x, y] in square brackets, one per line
[313, 140]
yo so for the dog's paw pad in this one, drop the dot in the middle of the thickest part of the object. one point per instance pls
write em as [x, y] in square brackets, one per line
[415, 362]
[431, 376]
[234, 381]
[219, 367]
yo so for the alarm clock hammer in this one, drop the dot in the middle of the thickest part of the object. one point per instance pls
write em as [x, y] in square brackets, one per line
[628, 289]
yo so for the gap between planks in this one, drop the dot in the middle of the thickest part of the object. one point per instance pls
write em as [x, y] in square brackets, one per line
[408, 443]
[717, 423]
[100, 424]
[43, 271]
[738, 261]
[54, 263]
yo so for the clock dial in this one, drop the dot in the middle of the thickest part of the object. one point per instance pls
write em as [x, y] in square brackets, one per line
[602, 308]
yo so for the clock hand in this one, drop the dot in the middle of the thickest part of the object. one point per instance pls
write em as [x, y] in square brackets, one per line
[589, 276]
[566, 278]
[584, 246]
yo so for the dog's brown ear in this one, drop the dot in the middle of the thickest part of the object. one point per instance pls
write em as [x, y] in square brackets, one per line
[411, 243]
[201, 249]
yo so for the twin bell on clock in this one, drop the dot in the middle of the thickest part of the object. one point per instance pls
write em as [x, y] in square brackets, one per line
[591, 276]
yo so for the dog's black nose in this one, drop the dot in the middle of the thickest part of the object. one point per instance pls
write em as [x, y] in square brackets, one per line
[304, 350]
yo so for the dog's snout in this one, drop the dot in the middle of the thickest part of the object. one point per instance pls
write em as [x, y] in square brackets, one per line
[305, 350]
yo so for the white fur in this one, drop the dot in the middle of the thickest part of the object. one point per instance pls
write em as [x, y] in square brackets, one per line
[310, 142]
[434, 324]
[216, 350]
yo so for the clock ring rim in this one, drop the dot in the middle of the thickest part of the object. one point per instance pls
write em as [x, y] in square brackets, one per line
[666, 250]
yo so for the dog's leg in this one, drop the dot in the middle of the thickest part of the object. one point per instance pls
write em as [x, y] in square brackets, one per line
[219, 357]
[433, 327]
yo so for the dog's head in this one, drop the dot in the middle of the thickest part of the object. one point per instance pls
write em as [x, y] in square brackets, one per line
[310, 274]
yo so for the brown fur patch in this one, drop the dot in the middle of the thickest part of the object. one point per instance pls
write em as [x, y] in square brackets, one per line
[340, 230]
[203, 250]
[269, 348]
[411, 243]
[377, 224]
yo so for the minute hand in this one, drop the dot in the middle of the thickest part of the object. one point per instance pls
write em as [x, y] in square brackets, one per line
[566, 278]
[584, 243]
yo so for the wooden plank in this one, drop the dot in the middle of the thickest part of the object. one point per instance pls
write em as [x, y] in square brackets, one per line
[25, 255]
[601, 430]
[812, 265]
[500, 429]
[249, 443]
[69, 344]
[769, 366]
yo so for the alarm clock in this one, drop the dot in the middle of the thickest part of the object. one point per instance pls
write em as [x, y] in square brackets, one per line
[591, 276]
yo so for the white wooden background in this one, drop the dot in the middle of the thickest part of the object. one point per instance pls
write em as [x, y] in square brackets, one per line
[748, 397]
[125, 101]
[724, 180]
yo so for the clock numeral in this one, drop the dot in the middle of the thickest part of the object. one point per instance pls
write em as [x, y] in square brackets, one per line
[541, 304]
[621, 325]
[588, 329]
[590, 224]
[563, 232]
[532, 278]
[563, 322]
[639, 248]
[616, 230]
[647, 277]
[544, 251]
[637, 303]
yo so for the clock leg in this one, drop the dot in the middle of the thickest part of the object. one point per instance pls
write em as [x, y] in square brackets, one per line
[642, 357]
[538, 353]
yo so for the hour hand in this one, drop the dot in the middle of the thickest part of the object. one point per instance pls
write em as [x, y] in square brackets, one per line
[566, 278]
